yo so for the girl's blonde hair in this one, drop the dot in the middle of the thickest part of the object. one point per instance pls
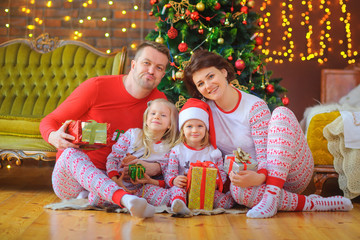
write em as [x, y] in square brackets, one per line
[171, 133]
[204, 142]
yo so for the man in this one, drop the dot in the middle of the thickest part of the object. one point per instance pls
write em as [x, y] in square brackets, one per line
[117, 100]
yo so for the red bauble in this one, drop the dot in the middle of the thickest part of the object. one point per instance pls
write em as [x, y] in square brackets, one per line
[183, 47]
[258, 41]
[217, 6]
[172, 33]
[252, 88]
[195, 16]
[230, 58]
[270, 89]
[240, 64]
[152, 2]
[285, 100]
[244, 9]
[151, 13]
[201, 31]
[244, 22]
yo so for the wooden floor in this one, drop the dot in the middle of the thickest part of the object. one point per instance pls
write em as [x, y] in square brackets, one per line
[25, 190]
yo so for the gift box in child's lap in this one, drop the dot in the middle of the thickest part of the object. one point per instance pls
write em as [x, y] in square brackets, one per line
[89, 135]
[202, 188]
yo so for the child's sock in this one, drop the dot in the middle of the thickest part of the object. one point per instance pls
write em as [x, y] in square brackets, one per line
[83, 194]
[138, 207]
[178, 206]
[268, 205]
[321, 204]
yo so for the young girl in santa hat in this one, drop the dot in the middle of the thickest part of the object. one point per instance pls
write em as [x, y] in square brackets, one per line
[196, 143]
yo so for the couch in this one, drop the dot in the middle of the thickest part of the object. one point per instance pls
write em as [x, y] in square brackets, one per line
[337, 86]
[35, 77]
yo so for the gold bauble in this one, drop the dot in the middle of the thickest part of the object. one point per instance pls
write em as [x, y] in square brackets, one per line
[179, 74]
[220, 41]
[159, 40]
[250, 3]
[200, 6]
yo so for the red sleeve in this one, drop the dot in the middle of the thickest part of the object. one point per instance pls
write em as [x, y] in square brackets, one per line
[73, 108]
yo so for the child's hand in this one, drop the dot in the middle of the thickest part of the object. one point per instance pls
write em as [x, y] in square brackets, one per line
[180, 181]
[246, 178]
[146, 179]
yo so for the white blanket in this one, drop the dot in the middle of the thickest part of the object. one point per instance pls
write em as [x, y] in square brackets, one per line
[351, 121]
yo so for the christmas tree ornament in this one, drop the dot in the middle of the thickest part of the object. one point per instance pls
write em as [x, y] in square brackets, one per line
[179, 75]
[172, 33]
[270, 89]
[244, 22]
[220, 40]
[159, 39]
[201, 31]
[152, 2]
[200, 6]
[151, 13]
[217, 6]
[230, 58]
[250, 3]
[258, 41]
[285, 100]
[244, 9]
[195, 16]
[240, 64]
[183, 47]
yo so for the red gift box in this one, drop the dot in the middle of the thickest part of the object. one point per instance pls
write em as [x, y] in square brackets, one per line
[90, 134]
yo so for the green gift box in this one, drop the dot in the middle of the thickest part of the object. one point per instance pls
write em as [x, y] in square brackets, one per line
[136, 170]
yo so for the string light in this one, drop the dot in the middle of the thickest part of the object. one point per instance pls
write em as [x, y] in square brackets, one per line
[317, 47]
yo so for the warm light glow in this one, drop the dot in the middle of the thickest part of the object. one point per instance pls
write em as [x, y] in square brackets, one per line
[67, 18]
[107, 35]
[133, 45]
[104, 19]
[123, 12]
[110, 3]
[49, 4]
[123, 29]
[133, 25]
[136, 7]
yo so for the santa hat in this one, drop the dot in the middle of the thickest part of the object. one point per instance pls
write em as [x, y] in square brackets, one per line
[197, 109]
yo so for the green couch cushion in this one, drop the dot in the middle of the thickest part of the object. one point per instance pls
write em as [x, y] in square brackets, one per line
[25, 144]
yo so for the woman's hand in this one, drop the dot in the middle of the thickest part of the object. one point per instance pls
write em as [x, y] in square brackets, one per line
[180, 181]
[246, 178]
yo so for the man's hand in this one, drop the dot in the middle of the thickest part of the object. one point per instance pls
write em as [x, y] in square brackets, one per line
[60, 139]
[246, 178]
[180, 181]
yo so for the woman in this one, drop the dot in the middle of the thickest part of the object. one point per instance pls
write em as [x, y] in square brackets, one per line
[275, 141]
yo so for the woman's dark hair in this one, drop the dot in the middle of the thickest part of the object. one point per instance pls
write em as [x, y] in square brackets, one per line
[204, 59]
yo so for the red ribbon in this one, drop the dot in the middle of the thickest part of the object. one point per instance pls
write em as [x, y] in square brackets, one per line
[204, 165]
[232, 160]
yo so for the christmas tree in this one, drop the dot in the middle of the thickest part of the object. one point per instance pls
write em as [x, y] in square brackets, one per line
[227, 27]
